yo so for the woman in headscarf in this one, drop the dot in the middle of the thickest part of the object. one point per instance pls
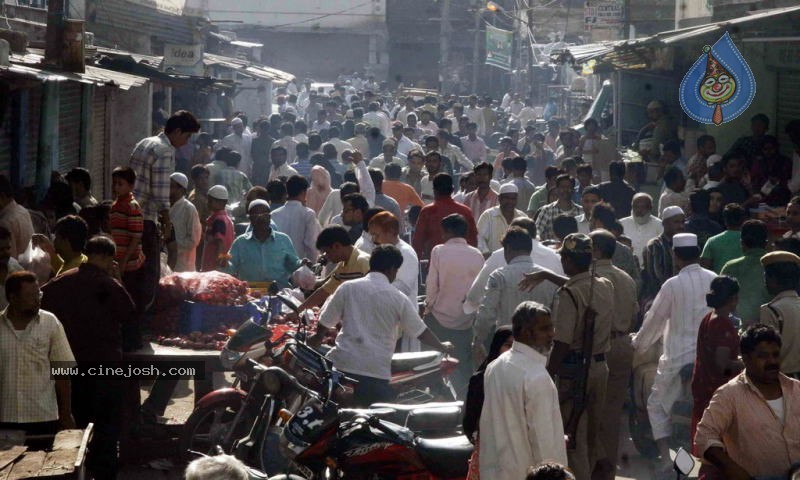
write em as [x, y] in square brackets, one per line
[501, 343]
[320, 188]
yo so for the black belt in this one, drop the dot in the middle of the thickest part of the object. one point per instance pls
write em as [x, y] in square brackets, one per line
[572, 357]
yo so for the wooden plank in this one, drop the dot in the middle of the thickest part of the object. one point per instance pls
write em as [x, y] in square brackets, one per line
[68, 440]
[9, 455]
[87, 437]
[58, 462]
[28, 466]
[4, 473]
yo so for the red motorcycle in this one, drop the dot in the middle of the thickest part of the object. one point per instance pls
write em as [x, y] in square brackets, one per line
[323, 441]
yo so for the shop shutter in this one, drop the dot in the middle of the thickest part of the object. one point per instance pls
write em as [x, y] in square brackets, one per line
[5, 140]
[34, 121]
[99, 164]
[69, 126]
[788, 106]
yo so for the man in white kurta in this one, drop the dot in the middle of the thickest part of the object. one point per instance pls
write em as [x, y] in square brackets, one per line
[676, 313]
[521, 420]
[240, 141]
[185, 223]
[494, 222]
[641, 226]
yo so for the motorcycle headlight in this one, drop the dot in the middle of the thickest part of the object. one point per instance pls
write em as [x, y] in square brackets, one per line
[228, 358]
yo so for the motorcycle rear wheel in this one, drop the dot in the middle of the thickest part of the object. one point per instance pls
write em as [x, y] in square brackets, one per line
[207, 427]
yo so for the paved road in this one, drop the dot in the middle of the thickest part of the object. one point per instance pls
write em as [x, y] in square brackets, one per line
[632, 467]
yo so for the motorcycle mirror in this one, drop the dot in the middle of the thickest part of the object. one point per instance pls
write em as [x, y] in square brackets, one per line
[684, 462]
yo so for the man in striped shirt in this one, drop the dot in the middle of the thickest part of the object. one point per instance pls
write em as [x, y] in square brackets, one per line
[153, 161]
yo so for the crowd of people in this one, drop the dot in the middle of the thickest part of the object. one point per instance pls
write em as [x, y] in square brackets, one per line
[532, 247]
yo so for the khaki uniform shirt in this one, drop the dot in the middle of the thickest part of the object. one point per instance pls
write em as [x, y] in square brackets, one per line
[783, 314]
[625, 299]
[568, 317]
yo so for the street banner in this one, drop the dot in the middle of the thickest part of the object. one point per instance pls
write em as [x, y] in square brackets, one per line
[498, 47]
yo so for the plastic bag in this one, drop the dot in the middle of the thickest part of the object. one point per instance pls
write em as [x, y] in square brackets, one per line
[304, 278]
[36, 260]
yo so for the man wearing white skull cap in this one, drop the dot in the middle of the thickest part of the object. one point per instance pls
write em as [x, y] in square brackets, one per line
[676, 314]
[657, 257]
[494, 222]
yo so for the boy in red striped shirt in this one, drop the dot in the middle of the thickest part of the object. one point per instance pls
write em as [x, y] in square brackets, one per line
[126, 222]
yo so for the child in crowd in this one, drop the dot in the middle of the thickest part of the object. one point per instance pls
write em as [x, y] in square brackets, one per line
[219, 230]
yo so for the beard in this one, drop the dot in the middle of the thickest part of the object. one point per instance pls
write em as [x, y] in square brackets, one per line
[544, 349]
[641, 220]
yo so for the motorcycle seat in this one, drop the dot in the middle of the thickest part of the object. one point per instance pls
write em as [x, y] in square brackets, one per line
[433, 420]
[400, 412]
[351, 413]
[445, 457]
[403, 362]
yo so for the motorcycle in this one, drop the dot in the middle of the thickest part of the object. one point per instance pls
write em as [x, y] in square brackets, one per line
[241, 419]
[323, 440]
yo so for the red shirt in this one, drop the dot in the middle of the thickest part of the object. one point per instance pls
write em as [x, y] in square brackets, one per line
[428, 231]
[218, 225]
[127, 222]
[714, 332]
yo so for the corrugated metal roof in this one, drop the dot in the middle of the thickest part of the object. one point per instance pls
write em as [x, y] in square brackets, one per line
[116, 15]
[30, 66]
[631, 54]
[247, 68]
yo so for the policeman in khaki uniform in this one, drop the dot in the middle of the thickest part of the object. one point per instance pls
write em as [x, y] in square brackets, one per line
[568, 315]
[782, 274]
[620, 358]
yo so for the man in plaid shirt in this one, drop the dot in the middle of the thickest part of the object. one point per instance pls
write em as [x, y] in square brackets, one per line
[153, 160]
[565, 186]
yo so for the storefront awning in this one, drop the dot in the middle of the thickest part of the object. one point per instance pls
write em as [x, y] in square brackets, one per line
[30, 66]
[630, 54]
[247, 68]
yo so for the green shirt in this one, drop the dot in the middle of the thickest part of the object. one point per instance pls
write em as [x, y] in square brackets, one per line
[722, 248]
[752, 289]
[537, 201]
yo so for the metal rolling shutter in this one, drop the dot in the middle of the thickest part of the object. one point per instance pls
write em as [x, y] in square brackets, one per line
[99, 166]
[788, 106]
[5, 140]
[69, 126]
[34, 121]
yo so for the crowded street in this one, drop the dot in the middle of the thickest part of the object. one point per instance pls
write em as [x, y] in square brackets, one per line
[554, 241]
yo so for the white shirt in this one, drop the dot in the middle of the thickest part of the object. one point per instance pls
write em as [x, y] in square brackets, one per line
[475, 114]
[583, 224]
[370, 310]
[641, 234]
[300, 224]
[242, 145]
[794, 182]
[541, 255]
[378, 120]
[341, 146]
[188, 232]
[521, 422]
[318, 127]
[405, 145]
[330, 208]
[676, 313]
[525, 115]
[492, 225]
[283, 171]
[27, 391]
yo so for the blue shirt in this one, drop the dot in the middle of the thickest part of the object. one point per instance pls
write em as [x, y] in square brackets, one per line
[303, 167]
[256, 261]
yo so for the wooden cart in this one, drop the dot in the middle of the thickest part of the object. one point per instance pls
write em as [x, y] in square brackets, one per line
[65, 460]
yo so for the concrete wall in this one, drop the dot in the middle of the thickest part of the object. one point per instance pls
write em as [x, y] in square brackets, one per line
[130, 121]
[303, 14]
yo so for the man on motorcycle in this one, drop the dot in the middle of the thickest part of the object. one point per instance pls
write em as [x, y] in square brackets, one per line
[370, 310]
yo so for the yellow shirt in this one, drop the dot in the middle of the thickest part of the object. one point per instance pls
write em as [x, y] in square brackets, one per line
[60, 266]
[355, 267]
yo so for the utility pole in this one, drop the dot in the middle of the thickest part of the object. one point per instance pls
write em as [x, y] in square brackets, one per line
[444, 46]
[530, 49]
[476, 54]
